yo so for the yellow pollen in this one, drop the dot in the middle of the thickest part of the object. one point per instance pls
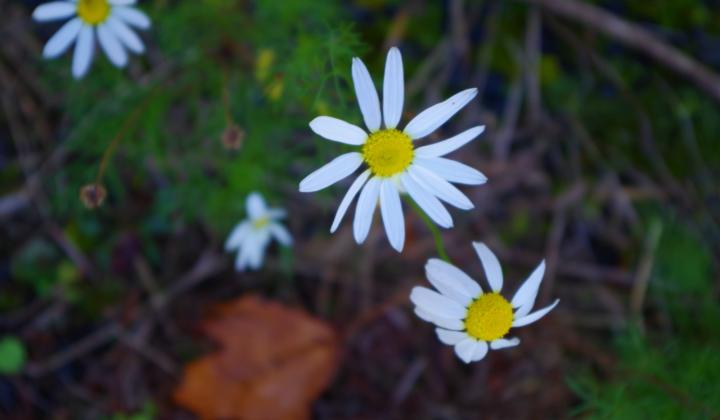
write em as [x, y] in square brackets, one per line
[388, 152]
[261, 222]
[93, 12]
[489, 317]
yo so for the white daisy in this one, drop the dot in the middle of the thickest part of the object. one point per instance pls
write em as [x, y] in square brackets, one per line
[394, 165]
[111, 21]
[252, 236]
[466, 318]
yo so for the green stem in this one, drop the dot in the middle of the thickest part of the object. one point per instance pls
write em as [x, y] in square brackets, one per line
[437, 235]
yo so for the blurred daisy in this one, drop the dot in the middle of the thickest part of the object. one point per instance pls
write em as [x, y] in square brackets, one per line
[252, 236]
[469, 319]
[110, 21]
[394, 164]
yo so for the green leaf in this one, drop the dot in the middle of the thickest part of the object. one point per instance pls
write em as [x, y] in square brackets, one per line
[12, 355]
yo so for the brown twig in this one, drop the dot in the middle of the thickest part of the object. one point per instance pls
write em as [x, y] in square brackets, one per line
[645, 127]
[642, 278]
[636, 37]
[533, 50]
[511, 113]
[206, 266]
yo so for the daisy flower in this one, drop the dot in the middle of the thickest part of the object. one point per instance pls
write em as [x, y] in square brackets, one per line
[252, 236]
[394, 165]
[110, 21]
[469, 319]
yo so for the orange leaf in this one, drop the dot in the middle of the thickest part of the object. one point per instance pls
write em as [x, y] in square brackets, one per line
[273, 362]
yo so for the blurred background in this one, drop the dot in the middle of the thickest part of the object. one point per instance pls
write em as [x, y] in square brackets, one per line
[602, 155]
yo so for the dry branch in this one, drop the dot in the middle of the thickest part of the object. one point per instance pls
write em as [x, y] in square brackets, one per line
[636, 37]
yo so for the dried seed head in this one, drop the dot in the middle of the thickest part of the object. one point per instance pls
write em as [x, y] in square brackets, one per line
[232, 137]
[93, 195]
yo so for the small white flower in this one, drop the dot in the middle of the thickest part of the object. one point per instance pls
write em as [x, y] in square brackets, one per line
[394, 165]
[108, 20]
[466, 318]
[252, 236]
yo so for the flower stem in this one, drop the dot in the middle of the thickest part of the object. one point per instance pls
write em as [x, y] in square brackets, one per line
[437, 235]
[127, 125]
[226, 98]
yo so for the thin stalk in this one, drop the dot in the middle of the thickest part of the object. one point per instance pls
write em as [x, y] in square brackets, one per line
[437, 235]
[126, 126]
[226, 99]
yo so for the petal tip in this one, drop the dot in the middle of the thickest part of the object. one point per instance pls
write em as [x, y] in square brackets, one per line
[414, 292]
[314, 122]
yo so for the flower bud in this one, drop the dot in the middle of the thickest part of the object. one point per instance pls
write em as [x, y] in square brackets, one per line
[93, 195]
[232, 137]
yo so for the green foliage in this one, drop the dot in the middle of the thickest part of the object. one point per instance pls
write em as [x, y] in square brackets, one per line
[676, 14]
[683, 283]
[172, 117]
[670, 375]
[12, 355]
[673, 380]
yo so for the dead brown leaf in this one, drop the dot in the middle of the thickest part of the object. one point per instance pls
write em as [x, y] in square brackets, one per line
[273, 362]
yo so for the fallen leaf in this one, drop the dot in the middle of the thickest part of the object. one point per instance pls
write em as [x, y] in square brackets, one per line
[273, 362]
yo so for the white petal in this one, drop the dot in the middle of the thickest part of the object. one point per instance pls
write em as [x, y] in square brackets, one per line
[112, 47]
[62, 39]
[237, 235]
[123, 2]
[480, 351]
[247, 249]
[255, 206]
[452, 171]
[258, 248]
[257, 257]
[247, 257]
[54, 11]
[448, 287]
[453, 143]
[446, 323]
[424, 315]
[440, 188]
[392, 215]
[427, 202]
[366, 95]
[84, 51]
[338, 130]
[131, 16]
[450, 337]
[429, 120]
[125, 35]
[441, 272]
[491, 265]
[365, 209]
[465, 349]
[349, 196]
[524, 298]
[393, 88]
[332, 172]
[280, 233]
[503, 343]
[241, 261]
[530, 318]
[437, 304]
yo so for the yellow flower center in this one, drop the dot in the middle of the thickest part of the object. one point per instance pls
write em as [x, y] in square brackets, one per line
[388, 152]
[489, 317]
[261, 222]
[93, 12]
